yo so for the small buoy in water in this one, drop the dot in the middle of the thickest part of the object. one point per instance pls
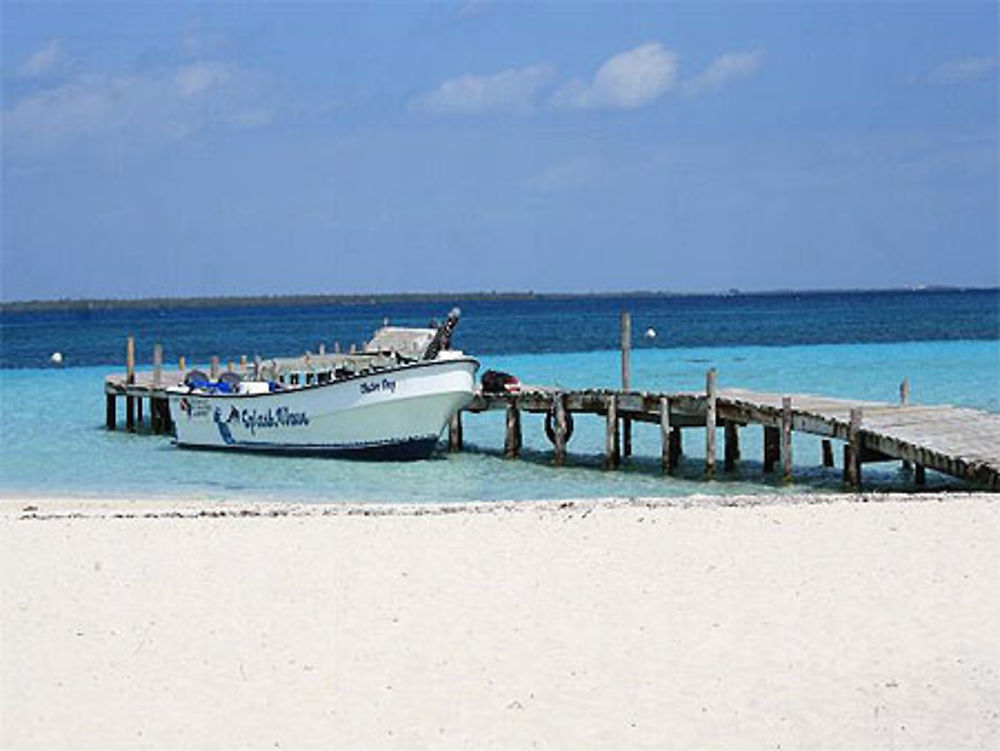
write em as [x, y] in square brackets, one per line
[650, 333]
[56, 358]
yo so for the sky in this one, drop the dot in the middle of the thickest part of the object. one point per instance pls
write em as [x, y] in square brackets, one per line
[230, 148]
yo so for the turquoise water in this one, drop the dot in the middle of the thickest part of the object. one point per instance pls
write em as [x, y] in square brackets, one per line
[60, 446]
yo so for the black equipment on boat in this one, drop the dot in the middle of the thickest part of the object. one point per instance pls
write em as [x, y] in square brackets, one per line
[442, 339]
[495, 381]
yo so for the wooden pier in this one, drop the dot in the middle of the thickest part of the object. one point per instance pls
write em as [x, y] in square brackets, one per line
[964, 443]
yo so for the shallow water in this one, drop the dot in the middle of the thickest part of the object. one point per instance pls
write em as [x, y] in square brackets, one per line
[60, 446]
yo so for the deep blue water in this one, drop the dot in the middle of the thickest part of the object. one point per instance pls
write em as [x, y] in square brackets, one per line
[856, 345]
[500, 327]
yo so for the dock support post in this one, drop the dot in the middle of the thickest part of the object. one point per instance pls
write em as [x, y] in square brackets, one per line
[182, 363]
[613, 456]
[110, 418]
[157, 365]
[920, 475]
[138, 411]
[710, 427]
[786, 437]
[904, 399]
[512, 440]
[827, 453]
[626, 379]
[667, 453]
[732, 449]
[676, 446]
[243, 364]
[560, 429]
[155, 407]
[772, 440]
[155, 415]
[215, 367]
[129, 380]
[852, 450]
[455, 433]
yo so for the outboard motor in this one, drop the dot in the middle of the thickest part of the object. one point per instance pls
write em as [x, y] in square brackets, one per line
[442, 339]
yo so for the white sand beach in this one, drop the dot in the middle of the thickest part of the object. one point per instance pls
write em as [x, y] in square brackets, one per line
[771, 622]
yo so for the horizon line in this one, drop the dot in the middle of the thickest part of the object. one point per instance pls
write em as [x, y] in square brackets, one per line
[271, 300]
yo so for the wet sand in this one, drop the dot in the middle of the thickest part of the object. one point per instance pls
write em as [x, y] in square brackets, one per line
[760, 622]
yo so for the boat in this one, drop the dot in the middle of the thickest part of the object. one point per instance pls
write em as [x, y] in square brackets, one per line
[390, 401]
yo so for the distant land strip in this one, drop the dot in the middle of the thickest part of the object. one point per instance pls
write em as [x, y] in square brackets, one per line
[383, 298]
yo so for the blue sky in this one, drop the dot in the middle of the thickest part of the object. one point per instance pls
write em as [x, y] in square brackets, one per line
[226, 148]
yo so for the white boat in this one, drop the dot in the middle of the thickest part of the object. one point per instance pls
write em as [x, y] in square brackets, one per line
[390, 401]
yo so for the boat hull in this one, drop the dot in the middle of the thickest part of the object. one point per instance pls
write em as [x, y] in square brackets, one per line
[394, 414]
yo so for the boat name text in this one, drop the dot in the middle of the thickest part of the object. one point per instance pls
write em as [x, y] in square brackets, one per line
[386, 384]
[282, 417]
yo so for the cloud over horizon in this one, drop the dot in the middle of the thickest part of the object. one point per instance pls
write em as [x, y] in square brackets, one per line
[628, 80]
[512, 91]
[731, 66]
[135, 108]
[42, 61]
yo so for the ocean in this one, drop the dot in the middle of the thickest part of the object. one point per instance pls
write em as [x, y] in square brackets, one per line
[847, 344]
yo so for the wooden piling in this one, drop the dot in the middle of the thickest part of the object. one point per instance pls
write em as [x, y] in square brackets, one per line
[138, 411]
[667, 454]
[455, 433]
[732, 448]
[215, 367]
[676, 447]
[154, 415]
[512, 439]
[772, 447]
[710, 426]
[129, 380]
[157, 366]
[920, 475]
[904, 399]
[613, 457]
[786, 437]
[231, 366]
[852, 450]
[110, 418]
[182, 363]
[243, 364]
[560, 428]
[626, 379]
[827, 453]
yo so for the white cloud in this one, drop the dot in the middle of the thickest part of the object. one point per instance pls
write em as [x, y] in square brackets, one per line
[43, 61]
[628, 80]
[729, 67]
[198, 78]
[136, 110]
[513, 90]
[962, 71]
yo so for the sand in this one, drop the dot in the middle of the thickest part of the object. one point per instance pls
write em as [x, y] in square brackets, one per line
[841, 623]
